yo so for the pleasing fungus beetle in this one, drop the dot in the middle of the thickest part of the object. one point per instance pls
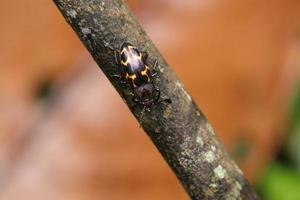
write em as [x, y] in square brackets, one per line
[135, 70]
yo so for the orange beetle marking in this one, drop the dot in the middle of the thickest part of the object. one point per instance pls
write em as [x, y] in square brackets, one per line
[127, 62]
[144, 72]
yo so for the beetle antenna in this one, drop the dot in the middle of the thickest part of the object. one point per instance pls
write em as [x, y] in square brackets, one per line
[108, 44]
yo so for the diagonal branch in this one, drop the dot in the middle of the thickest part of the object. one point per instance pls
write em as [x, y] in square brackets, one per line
[179, 130]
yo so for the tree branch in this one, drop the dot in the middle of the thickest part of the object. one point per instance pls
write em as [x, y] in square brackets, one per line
[179, 130]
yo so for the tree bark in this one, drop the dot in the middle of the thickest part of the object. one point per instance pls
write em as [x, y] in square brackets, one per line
[179, 130]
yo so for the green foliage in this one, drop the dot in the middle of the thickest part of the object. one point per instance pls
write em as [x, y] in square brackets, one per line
[293, 145]
[295, 110]
[282, 179]
[280, 183]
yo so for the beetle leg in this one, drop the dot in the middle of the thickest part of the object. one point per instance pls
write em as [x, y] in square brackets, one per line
[116, 52]
[137, 44]
[144, 55]
[108, 45]
[167, 100]
[131, 93]
[155, 68]
[118, 77]
[134, 99]
[117, 57]
[121, 44]
[157, 94]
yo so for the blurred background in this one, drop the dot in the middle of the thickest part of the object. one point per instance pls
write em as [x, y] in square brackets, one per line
[66, 134]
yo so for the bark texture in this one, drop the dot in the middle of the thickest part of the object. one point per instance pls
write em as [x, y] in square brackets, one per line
[179, 130]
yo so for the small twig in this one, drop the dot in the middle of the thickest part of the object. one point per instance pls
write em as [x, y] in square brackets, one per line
[179, 130]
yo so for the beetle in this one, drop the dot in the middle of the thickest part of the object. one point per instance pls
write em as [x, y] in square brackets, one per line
[135, 71]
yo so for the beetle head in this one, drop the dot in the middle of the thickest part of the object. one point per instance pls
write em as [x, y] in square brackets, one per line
[146, 94]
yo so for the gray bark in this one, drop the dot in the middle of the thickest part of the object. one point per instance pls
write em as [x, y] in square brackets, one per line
[179, 130]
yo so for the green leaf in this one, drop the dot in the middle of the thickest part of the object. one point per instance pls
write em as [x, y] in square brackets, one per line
[280, 183]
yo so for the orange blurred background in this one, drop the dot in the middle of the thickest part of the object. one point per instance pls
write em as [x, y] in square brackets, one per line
[66, 134]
